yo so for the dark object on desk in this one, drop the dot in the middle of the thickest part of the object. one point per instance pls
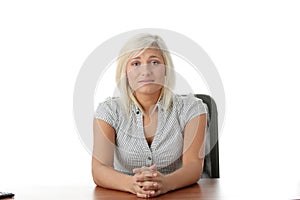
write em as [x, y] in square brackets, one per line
[6, 195]
[211, 160]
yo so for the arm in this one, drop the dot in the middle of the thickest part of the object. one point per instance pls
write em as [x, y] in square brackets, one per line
[102, 162]
[193, 155]
[192, 162]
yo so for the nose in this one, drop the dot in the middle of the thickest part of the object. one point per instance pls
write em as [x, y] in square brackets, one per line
[145, 70]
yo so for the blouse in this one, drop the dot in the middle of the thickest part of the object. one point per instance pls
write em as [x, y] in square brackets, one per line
[131, 147]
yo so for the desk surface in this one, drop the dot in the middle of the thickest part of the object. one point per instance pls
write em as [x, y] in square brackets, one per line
[205, 189]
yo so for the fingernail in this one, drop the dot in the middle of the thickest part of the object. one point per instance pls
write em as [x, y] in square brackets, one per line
[154, 184]
[155, 174]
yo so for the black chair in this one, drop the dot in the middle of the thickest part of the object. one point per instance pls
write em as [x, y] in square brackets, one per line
[211, 160]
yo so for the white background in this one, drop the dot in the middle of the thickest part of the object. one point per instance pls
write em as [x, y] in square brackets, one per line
[255, 46]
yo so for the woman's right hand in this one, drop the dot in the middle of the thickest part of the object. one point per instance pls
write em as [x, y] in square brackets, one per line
[137, 188]
[137, 184]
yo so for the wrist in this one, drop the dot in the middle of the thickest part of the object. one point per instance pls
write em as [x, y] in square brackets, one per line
[168, 183]
[129, 184]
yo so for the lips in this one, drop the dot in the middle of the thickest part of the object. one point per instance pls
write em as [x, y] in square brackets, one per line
[146, 81]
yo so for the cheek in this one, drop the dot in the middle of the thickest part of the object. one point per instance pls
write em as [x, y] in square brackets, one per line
[131, 76]
[160, 74]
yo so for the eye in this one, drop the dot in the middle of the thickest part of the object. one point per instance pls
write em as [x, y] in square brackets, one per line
[154, 62]
[135, 64]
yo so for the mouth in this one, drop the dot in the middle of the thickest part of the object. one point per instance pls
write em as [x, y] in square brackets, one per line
[146, 81]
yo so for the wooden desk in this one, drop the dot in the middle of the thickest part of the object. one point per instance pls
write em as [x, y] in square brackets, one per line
[210, 189]
[216, 189]
[206, 189]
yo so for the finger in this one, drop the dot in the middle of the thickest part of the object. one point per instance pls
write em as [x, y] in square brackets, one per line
[155, 176]
[142, 195]
[138, 184]
[146, 176]
[148, 195]
[139, 170]
[153, 167]
[136, 170]
[149, 174]
[156, 193]
[149, 185]
[145, 194]
[144, 169]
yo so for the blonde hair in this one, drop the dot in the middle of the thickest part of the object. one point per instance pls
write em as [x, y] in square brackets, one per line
[137, 45]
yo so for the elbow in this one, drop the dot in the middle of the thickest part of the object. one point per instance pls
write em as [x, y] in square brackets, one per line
[197, 173]
[97, 183]
[95, 179]
[197, 177]
[96, 175]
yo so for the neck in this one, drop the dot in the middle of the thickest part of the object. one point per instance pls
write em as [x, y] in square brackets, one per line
[147, 101]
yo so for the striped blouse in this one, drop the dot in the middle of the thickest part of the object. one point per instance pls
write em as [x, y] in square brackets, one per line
[132, 150]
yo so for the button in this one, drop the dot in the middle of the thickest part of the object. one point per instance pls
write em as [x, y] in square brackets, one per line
[149, 158]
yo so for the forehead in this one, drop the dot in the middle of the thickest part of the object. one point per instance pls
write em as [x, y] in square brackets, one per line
[146, 53]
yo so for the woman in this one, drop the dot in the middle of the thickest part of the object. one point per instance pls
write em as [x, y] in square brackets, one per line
[148, 141]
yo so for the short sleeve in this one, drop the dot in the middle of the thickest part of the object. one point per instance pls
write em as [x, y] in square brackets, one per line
[107, 111]
[191, 107]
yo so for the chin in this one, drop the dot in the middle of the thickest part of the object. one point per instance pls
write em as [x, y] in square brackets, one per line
[148, 89]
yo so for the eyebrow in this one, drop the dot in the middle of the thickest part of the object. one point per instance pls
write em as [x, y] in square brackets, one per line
[148, 58]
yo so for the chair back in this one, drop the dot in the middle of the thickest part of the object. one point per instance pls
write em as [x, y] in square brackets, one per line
[211, 160]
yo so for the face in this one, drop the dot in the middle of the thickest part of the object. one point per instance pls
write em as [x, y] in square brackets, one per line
[146, 72]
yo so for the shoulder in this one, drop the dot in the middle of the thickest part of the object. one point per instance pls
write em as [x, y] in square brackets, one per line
[111, 103]
[184, 101]
[189, 106]
[108, 110]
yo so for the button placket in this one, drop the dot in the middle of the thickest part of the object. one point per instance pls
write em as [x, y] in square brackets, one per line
[149, 160]
[146, 148]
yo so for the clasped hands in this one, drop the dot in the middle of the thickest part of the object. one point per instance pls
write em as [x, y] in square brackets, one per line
[148, 182]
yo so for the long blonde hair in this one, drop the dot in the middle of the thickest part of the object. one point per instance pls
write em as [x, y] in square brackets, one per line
[136, 45]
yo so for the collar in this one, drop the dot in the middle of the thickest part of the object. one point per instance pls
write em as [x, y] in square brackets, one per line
[135, 109]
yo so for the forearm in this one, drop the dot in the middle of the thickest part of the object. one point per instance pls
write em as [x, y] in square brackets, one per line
[184, 176]
[107, 177]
